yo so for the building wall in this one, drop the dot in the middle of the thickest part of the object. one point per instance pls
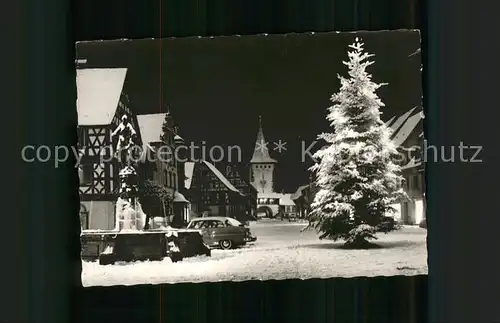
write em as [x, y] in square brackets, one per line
[233, 174]
[208, 194]
[101, 214]
[262, 177]
[273, 207]
[413, 211]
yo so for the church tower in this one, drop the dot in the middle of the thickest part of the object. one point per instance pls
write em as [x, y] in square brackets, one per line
[262, 165]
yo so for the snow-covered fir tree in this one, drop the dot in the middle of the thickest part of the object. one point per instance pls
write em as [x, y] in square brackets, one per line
[356, 177]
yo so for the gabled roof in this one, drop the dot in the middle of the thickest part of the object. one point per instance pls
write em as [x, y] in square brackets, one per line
[189, 171]
[221, 177]
[98, 94]
[298, 193]
[412, 163]
[261, 150]
[399, 122]
[285, 199]
[150, 126]
[269, 195]
[388, 123]
[407, 128]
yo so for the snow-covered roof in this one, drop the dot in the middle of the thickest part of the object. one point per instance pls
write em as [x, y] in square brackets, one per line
[221, 177]
[261, 195]
[261, 150]
[285, 199]
[388, 123]
[412, 163]
[395, 126]
[150, 126]
[298, 193]
[177, 137]
[407, 128]
[188, 173]
[179, 198]
[98, 94]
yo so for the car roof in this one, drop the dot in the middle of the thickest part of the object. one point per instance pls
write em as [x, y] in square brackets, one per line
[220, 218]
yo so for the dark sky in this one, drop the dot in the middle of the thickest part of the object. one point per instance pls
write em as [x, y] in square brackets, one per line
[217, 87]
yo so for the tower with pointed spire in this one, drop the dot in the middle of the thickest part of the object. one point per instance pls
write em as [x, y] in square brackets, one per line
[262, 165]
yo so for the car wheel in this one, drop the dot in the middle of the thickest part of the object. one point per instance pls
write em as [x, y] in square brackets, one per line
[226, 244]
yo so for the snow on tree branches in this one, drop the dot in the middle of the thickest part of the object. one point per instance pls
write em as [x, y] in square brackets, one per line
[356, 177]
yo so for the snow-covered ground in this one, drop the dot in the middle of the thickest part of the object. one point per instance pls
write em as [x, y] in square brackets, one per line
[281, 252]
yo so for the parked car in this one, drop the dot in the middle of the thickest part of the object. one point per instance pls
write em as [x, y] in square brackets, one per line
[292, 217]
[222, 232]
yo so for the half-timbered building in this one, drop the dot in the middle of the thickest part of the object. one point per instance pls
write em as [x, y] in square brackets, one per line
[409, 138]
[302, 198]
[100, 105]
[160, 133]
[211, 193]
[233, 173]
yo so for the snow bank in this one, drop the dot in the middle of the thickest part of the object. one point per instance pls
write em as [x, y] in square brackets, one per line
[301, 256]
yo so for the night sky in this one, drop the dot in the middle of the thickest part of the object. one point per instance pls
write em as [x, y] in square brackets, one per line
[217, 87]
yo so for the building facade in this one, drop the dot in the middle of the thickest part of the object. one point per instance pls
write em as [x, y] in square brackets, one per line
[211, 193]
[409, 139]
[262, 165]
[100, 105]
[160, 133]
[233, 173]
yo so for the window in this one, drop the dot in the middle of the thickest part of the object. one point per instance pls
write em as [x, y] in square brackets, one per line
[86, 173]
[197, 224]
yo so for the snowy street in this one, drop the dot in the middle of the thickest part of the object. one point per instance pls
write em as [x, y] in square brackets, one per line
[281, 252]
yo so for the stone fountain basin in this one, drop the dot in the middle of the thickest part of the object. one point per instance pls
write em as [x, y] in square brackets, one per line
[131, 246]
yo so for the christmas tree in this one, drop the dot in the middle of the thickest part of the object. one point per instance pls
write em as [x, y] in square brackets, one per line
[356, 178]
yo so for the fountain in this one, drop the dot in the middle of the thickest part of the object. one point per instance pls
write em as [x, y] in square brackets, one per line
[129, 241]
[129, 215]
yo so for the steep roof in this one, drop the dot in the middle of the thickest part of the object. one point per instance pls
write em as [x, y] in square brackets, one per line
[298, 193]
[261, 151]
[408, 127]
[412, 163]
[98, 94]
[150, 126]
[189, 171]
[395, 126]
[285, 199]
[220, 176]
[388, 123]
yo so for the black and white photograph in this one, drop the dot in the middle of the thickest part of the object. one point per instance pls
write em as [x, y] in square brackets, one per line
[262, 157]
